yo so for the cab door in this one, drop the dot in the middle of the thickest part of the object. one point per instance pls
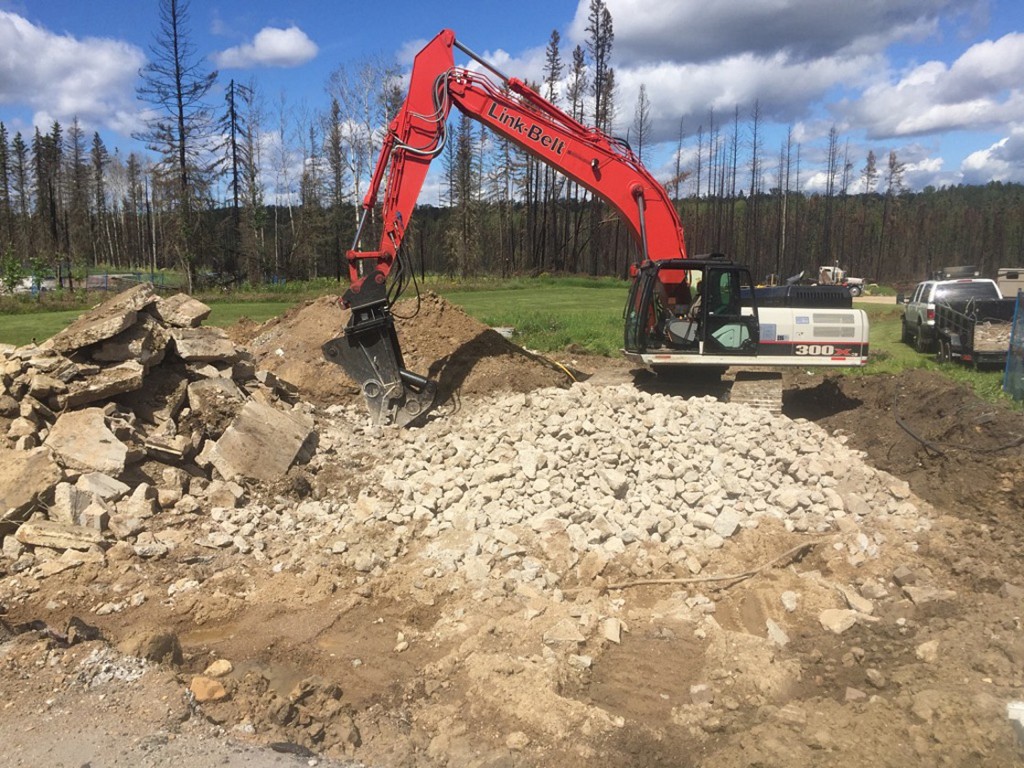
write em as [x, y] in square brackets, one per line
[638, 312]
[730, 312]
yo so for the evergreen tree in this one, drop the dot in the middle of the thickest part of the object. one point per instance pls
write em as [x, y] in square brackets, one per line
[21, 194]
[234, 163]
[77, 176]
[102, 236]
[599, 46]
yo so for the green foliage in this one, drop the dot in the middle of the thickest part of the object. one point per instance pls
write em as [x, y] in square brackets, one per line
[11, 271]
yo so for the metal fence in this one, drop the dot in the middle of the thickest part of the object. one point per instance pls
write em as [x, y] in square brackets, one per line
[1013, 379]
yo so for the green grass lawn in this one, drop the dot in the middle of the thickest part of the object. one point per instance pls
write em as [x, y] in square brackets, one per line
[22, 329]
[890, 355]
[548, 315]
[223, 314]
[586, 315]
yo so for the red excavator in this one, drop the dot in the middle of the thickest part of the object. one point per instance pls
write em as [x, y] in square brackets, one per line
[680, 311]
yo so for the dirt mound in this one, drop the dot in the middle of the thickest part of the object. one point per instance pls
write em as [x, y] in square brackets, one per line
[960, 452]
[438, 340]
[289, 346]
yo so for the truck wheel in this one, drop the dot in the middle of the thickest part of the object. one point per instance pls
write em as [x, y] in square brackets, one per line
[905, 335]
[855, 291]
[921, 344]
[943, 354]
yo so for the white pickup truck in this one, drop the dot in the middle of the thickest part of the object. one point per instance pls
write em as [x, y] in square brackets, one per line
[919, 309]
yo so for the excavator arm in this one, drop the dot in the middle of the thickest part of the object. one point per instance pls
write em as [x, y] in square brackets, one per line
[369, 351]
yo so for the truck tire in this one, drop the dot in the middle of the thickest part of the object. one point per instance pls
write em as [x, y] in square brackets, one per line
[921, 344]
[943, 354]
[905, 335]
[855, 291]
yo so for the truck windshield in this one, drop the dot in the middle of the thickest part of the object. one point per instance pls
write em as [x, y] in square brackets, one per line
[956, 291]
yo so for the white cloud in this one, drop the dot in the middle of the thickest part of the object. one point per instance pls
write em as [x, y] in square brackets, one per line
[981, 89]
[1003, 161]
[815, 64]
[783, 88]
[696, 30]
[62, 77]
[271, 47]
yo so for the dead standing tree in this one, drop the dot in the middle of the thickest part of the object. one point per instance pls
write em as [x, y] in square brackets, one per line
[175, 85]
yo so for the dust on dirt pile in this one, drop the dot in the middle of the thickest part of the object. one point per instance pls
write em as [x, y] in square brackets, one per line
[438, 340]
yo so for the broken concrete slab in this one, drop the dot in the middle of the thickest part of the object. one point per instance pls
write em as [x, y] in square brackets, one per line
[69, 502]
[281, 387]
[180, 311]
[565, 631]
[109, 382]
[21, 427]
[42, 387]
[49, 533]
[8, 406]
[95, 516]
[173, 448]
[105, 321]
[261, 443]
[837, 620]
[203, 345]
[83, 442]
[161, 399]
[141, 504]
[125, 526]
[144, 342]
[25, 476]
[101, 485]
[215, 402]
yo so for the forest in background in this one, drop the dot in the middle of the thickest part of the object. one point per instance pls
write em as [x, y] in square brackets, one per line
[245, 193]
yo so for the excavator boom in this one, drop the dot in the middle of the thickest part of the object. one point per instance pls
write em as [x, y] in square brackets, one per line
[369, 351]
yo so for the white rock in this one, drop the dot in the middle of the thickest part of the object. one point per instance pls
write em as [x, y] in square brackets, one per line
[837, 620]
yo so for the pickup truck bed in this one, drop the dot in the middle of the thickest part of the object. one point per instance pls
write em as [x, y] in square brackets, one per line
[975, 331]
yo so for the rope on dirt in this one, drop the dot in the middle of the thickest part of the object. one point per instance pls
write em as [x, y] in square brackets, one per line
[568, 373]
[553, 363]
[902, 424]
[796, 553]
[941, 448]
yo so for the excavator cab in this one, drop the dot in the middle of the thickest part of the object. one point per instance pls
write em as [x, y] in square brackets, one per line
[720, 319]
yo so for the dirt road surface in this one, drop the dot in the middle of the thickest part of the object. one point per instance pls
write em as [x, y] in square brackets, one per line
[355, 624]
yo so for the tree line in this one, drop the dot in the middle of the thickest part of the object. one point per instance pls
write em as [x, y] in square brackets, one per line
[243, 191]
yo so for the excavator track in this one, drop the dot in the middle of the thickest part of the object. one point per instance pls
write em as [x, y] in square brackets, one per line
[757, 388]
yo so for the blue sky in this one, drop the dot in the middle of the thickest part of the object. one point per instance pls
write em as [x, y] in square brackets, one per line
[938, 81]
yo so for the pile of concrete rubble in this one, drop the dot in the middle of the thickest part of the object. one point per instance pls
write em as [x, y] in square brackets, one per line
[133, 409]
[135, 420]
[525, 486]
